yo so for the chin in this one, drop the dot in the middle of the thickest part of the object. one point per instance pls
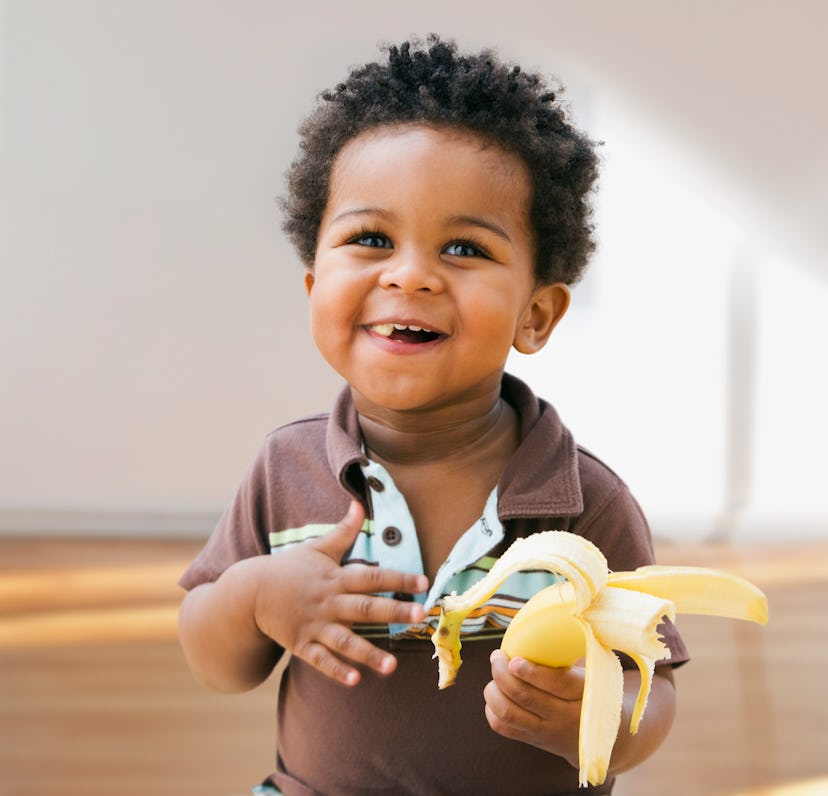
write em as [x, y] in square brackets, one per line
[398, 403]
[398, 399]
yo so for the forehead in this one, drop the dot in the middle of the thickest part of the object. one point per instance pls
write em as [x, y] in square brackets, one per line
[443, 161]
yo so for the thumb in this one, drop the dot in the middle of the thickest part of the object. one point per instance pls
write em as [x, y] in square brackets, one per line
[341, 538]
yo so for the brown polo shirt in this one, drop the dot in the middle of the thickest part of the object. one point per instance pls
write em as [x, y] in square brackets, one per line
[399, 734]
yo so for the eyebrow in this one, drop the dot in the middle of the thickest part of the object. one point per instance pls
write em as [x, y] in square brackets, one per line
[474, 221]
[483, 223]
[362, 211]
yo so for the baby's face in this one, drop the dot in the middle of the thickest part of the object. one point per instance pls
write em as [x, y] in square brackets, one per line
[424, 269]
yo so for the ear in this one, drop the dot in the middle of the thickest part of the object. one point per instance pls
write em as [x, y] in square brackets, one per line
[546, 307]
[309, 280]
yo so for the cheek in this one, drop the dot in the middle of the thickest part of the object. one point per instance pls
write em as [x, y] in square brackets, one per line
[331, 317]
[317, 313]
[495, 317]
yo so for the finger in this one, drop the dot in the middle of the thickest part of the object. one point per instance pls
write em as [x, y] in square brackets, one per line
[362, 579]
[361, 608]
[341, 538]
[506, 717]
[502, 727]
[516, 693]
[322, 659]
[500, 667]
[347, 644]
[499, 726]
[565, 683]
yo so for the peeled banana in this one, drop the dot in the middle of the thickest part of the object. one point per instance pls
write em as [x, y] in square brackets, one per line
[588, 615]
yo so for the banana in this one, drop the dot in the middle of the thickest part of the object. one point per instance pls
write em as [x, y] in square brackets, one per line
[588, 615]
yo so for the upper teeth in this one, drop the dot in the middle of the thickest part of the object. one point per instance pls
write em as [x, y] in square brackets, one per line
[386, 329]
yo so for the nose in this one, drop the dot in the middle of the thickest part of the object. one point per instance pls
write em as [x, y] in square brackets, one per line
[411, 272]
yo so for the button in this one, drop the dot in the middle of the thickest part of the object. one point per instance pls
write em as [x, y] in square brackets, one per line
[391, 536]
[375, 483]
[403, 597]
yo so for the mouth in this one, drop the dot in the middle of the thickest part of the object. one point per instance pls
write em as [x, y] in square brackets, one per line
[405, 333]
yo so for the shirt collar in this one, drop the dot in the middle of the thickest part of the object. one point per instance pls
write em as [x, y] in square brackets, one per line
[542, 479]
[344, 444]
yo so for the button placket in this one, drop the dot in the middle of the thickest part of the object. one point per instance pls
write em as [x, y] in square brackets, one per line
[395, 544]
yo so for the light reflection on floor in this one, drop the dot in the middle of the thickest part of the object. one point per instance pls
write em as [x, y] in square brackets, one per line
[82, 605]
[811, 787]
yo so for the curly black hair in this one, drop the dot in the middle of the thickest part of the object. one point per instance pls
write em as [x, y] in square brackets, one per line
[431, 83]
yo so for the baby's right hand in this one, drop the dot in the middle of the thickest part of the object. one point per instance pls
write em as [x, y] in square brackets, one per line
[306, 601]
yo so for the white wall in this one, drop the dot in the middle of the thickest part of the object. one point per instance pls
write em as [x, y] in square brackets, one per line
[152, 319]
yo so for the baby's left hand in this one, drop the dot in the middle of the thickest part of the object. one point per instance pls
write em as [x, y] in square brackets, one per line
[536, 704]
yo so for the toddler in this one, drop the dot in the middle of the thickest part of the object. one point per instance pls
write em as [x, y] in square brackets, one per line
[440, 205]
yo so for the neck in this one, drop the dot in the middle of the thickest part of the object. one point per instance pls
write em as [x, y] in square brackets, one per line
[418, 437]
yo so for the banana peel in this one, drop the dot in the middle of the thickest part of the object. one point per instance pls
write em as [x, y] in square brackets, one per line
[591, 614]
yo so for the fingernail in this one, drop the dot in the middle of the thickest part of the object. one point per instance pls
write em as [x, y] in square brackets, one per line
[352, 678]
[517, 666]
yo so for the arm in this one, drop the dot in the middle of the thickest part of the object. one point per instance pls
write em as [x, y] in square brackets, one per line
[234, 630]
[542, 706]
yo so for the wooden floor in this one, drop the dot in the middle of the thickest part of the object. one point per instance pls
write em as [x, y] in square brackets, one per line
[95, 697]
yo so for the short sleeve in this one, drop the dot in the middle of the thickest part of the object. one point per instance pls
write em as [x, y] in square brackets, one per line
[240, 533]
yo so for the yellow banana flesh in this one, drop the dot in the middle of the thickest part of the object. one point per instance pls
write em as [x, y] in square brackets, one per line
[562, 641]
[591, 614]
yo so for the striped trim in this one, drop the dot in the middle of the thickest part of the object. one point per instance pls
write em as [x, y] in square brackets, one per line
[278, 539]
[489, 620]
[484, 564]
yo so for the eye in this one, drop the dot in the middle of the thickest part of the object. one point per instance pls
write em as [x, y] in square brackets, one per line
[465, 248]
[373, 240]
